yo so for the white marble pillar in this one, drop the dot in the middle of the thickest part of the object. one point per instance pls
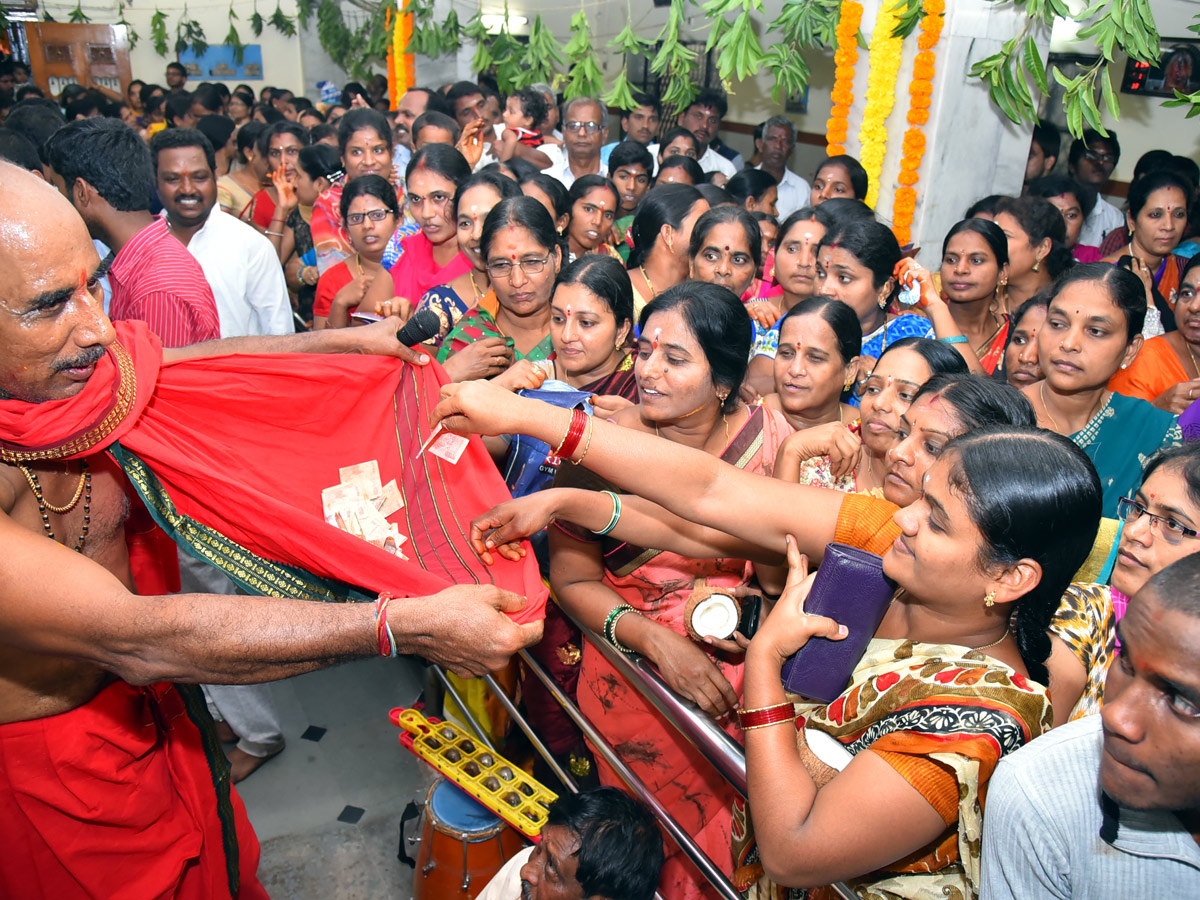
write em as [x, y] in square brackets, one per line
[971, 148]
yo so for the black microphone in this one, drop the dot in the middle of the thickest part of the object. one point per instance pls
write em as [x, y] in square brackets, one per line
[424, 325]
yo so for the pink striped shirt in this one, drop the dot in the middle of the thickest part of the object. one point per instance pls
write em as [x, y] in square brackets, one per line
[155, 279]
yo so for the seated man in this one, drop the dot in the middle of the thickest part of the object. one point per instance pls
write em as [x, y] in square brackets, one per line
[600, 845]
[1109, 805]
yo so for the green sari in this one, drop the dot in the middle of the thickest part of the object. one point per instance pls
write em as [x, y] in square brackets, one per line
[477, 324]
[1123, 434]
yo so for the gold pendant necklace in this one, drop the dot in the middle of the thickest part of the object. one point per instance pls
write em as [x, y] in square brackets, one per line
[649, 284]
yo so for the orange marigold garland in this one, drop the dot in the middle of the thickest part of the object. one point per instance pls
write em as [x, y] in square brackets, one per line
[904, 204]
[845, 59]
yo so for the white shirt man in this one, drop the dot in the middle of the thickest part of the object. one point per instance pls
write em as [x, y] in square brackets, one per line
[794, 192]
[243, 270]
[776, 146]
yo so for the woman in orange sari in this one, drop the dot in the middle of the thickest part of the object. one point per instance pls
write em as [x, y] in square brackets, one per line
[692, 352]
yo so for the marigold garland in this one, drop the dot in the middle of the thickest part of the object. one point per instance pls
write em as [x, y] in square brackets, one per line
[400, 62]
[845, 59]
[920, 90]
[884, 53]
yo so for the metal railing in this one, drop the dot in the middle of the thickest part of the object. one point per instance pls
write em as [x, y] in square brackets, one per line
[722, 751]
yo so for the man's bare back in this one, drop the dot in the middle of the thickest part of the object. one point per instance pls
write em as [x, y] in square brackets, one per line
[34, 685]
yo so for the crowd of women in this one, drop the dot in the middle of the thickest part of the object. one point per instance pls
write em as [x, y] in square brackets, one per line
[735, 393]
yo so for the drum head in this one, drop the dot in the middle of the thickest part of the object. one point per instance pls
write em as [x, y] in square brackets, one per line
[458, 811]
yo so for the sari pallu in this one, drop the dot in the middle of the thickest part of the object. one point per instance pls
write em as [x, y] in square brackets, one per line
[658, 584]
[937, 707]
[230, 455]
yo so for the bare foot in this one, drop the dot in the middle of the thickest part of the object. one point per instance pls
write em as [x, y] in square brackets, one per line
[242, 764]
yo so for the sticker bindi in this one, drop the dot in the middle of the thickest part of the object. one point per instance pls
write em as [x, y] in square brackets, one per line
[568, 311]
[657, 335]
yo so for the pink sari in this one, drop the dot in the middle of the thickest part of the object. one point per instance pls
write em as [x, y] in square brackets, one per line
[416, 271]
[658, 585]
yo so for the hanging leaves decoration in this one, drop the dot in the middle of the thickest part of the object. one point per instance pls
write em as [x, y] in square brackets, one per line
[542, 55]
[586, 79]
[78, 16]
[304, 12]
[451, 33]
[674, 61]
[189, 33]
[282, 23]
[628, 44]
[233, 39]
[158, 32]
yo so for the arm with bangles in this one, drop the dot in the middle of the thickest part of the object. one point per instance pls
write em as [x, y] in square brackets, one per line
[60, 603]
[625, 518]
[908, 272]
[688, 483]
[577, 577]
[867, 817]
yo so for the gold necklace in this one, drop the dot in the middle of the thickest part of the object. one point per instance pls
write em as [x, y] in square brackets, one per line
[1007, 632]
[1191, 356]
[474, 286]
[1042, 395]
[83, 489]
[649, 284]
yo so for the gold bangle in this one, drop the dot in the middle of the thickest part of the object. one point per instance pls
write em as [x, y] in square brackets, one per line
[566, 434]
[587, 446]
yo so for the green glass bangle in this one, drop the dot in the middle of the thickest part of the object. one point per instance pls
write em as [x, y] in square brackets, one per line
[610, 626]
[616, 515]
[954, 339]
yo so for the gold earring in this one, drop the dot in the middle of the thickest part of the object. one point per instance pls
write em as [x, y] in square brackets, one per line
[990, 600]
[1036, 263]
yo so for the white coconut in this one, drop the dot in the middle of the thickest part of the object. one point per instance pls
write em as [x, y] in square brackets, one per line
[715, 616]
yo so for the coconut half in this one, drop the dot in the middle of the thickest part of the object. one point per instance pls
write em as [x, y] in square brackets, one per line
[710, 613]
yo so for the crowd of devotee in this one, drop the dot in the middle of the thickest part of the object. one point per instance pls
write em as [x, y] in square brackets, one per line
[694, 374]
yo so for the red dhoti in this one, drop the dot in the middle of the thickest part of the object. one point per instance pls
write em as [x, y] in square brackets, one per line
[116, 799]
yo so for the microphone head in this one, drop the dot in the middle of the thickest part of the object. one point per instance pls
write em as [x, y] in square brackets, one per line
[424, 325]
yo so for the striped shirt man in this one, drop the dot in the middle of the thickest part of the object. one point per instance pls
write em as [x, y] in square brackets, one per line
[155, 279]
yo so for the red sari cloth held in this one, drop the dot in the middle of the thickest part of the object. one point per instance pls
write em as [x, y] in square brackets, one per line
[116, 798]
[231, 453]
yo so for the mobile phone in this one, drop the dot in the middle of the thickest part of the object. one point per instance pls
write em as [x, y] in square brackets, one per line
[364, 318]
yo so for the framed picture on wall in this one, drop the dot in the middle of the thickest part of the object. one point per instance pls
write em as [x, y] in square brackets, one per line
[798, 102]
[1178, 69]
[220, 63]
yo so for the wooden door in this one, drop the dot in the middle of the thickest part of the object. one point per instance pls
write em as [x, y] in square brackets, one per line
[62, 53]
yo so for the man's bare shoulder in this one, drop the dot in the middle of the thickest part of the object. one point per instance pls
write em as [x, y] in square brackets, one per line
[10, 485]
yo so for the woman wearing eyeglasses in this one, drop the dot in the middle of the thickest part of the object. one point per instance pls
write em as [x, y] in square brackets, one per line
[522, 254]
[370, 211]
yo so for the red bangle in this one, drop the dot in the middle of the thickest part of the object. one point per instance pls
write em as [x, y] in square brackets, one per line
[768, 715]
[574, 434]
[383, 634]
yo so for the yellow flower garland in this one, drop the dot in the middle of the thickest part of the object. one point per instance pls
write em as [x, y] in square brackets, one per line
[905, 203]
[845, 59]
[884, 54]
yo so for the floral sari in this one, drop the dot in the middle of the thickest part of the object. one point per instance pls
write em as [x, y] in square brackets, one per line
[942, 715]
[658, 584]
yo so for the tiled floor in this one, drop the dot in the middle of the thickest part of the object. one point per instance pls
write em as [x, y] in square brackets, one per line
[327, 809]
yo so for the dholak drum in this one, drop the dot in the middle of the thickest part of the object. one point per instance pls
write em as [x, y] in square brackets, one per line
[463, 845]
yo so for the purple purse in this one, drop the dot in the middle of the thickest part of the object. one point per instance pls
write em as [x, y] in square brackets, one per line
[850, 588]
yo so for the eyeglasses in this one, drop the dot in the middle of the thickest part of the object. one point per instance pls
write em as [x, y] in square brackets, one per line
[375, 215]
[1172, 532]
[503, 268]
[589, 127]
[1099, 156]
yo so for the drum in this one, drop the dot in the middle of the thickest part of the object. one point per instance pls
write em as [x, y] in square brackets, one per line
[463, 845]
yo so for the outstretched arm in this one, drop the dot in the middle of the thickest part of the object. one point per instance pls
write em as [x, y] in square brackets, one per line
[689, 483]
[379, 338]
[60, 603]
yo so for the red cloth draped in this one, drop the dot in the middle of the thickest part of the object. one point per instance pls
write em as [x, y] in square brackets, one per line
[244, 444]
